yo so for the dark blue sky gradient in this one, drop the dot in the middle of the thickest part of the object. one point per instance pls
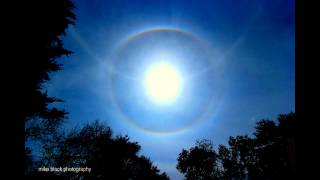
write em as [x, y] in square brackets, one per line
[256, 39]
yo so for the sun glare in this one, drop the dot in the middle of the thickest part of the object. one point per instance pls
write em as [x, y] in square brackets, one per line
[163, 83]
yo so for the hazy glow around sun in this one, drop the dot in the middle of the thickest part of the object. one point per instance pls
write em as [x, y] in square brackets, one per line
[163, 83]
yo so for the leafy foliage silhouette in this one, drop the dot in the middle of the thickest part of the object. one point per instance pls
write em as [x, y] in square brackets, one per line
[109, 157]
[34, 113]
[199, 162]
[269, 154]
[53, 17]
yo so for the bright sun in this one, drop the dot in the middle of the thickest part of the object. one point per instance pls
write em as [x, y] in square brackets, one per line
[163, 83]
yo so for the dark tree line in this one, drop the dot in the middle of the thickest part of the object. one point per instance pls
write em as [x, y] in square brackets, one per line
[269, 154]
[95, 147]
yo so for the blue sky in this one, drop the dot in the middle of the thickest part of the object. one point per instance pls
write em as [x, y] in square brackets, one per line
[253, 40]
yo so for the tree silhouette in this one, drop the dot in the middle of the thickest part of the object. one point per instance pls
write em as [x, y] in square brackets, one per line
[47, 22]
[199, 162]
[269, 154]
[239, 159]
[47, 48]
[109, 157]
[275, 147]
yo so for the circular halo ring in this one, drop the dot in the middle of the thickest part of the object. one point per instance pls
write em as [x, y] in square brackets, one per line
[208, 109]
